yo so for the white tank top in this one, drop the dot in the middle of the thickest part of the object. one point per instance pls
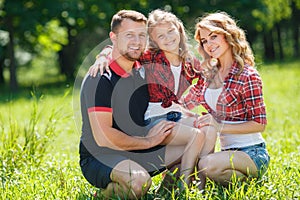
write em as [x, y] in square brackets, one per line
[211, 97]
[228, 140]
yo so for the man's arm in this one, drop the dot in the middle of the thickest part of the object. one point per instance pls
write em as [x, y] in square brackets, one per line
[107, 136]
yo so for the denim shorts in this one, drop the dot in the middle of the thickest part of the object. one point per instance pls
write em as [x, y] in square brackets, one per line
[258, 153]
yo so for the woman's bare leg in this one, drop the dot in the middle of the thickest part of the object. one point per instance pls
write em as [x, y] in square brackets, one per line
[221, 166]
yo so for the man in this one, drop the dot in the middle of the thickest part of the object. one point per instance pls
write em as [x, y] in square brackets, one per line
[117, 153]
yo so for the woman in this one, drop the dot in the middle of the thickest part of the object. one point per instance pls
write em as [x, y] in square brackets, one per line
[169, 71]
[231, 90]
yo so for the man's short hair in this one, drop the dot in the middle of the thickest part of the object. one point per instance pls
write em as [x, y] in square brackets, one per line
[126, 14]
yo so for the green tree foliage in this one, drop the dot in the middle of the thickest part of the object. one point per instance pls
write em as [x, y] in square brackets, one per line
[29, 25]
[295, 24]
[69, 28]
[15, 22]
[271, 12]
[78, 18]
[38, 26]
[268, 17]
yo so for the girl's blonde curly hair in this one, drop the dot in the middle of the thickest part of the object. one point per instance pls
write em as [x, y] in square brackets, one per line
[159, 16]
[222, 23]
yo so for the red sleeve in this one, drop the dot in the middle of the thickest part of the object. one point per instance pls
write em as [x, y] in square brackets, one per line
[253, 99]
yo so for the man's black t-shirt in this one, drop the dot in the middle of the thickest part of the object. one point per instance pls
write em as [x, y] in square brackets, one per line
[125, 95]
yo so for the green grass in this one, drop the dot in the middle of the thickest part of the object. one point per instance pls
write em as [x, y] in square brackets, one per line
[39, 145]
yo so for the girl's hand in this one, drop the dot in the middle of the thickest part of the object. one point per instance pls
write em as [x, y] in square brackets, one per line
[207, 120]
[102, 62]
[184, 111]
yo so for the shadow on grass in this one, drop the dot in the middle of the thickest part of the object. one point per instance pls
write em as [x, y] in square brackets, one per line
[83, 196]
[57, 88]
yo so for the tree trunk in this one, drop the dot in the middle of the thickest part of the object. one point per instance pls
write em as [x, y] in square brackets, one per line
[68, 58]
[13, 83]
[269, 45]
[296, 41]
[295, 27]
[2, 58]
[278, 30]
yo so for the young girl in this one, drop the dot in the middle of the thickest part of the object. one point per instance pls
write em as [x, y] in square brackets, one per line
[231, 90]
[169, 70]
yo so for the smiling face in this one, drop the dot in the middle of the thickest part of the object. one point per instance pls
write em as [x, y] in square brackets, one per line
[215, 44]
[130, 39]
[166, 36]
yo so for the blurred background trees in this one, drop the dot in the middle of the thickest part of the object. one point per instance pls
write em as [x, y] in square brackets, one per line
[58, 34]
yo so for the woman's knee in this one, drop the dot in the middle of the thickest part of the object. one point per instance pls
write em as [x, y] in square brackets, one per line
[207, 166]
[202, 164]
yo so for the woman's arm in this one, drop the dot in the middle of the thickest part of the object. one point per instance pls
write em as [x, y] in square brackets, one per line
[240, 128]
[192, 98]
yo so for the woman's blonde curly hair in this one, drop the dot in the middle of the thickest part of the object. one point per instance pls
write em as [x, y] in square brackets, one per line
[222, 23]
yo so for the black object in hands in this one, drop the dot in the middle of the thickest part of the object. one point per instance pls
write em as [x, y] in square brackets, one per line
[174, 116]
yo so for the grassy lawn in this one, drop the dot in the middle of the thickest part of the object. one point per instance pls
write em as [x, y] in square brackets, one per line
[39, 136]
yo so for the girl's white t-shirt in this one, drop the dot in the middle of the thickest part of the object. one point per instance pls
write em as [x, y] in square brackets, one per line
[155, 108]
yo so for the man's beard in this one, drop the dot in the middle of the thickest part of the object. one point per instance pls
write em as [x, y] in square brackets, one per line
[131, 55]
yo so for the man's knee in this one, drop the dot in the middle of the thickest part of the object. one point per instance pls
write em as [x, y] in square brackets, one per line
[132, 177]
[140, 185]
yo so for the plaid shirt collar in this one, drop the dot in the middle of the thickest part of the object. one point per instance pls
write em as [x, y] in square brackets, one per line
[234, 68]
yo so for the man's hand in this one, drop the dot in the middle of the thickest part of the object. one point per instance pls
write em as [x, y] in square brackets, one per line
[159, 132]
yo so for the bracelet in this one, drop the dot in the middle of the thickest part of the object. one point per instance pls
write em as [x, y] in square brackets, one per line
[100, 55]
